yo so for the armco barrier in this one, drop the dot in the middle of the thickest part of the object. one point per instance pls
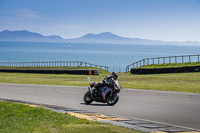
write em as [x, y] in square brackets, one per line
[166, 70]
[53, 71]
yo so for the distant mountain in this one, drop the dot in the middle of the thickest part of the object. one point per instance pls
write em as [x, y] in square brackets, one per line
[25, 35]
[105, 37]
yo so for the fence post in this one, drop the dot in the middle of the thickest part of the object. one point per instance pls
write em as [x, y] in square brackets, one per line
[198, 58]
[175, 60]
[182, 60]
[189, 59]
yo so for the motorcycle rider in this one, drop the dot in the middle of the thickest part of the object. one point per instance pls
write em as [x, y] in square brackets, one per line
[108, 81]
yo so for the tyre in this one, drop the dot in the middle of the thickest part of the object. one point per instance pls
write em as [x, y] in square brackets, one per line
[88, 98]
[112, 100]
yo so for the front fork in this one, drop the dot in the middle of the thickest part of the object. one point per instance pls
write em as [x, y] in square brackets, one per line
[91, 92]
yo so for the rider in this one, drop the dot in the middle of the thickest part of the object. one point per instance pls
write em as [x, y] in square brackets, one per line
[108, 81]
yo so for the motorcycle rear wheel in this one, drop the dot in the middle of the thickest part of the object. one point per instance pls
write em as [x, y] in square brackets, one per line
[88, 98]
[112, 100]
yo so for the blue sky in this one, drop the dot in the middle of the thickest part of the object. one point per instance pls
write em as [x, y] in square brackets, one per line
[168, 20]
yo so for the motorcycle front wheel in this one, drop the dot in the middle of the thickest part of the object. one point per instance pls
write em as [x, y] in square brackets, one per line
[112, 100]
[88, 98]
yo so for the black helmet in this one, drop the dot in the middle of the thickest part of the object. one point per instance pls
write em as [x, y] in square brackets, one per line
[115, 75]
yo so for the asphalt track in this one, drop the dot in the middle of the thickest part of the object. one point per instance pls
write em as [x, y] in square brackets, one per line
[181, 109]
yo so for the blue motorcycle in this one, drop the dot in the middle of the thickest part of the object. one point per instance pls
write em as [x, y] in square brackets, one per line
[104, 94]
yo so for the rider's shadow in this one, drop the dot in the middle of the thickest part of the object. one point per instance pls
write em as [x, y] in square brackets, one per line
[92, 104]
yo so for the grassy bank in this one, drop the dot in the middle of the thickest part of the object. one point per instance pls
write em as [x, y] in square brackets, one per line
[21, 118]
[170, 65]
[181, 82]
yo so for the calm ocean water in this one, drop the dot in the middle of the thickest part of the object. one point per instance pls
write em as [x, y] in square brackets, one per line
[112, 55]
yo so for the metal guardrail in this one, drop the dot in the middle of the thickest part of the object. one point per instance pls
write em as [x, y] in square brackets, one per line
[162, 60]
[143, 62]
[52, 64]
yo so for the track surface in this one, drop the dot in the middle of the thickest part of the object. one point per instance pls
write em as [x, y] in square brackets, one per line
[182, 109]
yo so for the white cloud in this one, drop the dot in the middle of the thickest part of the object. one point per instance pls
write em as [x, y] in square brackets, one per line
[18, 16]
[17, 19]
[26, 14]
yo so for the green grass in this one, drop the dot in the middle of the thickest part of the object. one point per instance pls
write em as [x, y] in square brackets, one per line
[19, 118]
[180, 82]
[170, 65]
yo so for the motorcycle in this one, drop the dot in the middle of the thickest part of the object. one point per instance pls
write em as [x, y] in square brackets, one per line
[104, 94]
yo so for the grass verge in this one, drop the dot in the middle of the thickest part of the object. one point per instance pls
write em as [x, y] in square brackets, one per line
[22, 118]
[180, 82]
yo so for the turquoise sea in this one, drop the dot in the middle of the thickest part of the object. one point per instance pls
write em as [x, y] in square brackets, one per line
[112, 55]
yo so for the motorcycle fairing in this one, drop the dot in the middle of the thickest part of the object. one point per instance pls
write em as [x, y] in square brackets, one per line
[104, 91]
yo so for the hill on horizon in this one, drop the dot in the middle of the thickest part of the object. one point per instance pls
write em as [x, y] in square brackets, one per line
[25, 35]
[105, 37]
